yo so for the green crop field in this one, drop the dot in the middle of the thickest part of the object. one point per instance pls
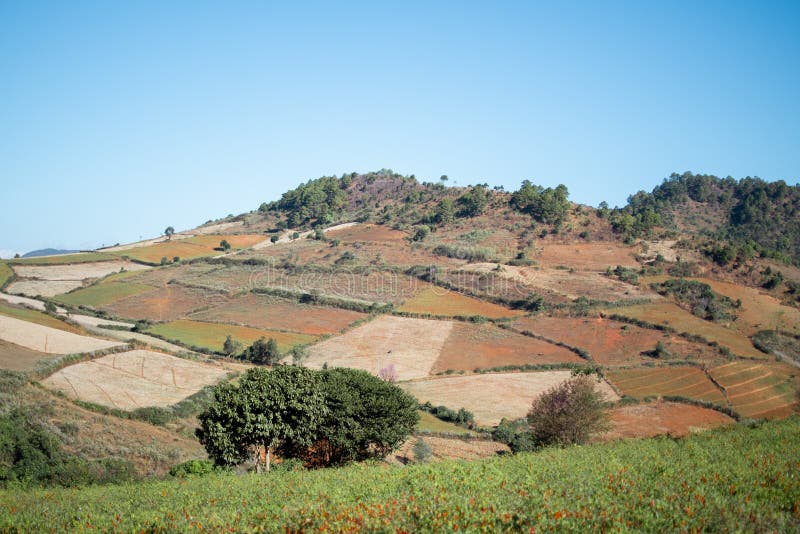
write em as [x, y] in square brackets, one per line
[212, 335]
[87, 257]
[102, 294]
[6, 274]
[429, 423]
[733, 479]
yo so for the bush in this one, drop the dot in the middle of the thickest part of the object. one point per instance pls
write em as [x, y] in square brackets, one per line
[422, 451]
[195, 468]
[154, 415]
[568, 413]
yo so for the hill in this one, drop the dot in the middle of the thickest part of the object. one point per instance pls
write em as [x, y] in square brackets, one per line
[47, 252]
[473, 299]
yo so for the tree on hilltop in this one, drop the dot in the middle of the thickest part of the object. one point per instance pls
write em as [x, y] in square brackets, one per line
[168, 232]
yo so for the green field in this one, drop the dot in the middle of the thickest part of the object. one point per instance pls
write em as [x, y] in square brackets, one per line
[6, 274]
[212, 335]
[87, 257]
[101, 294]
[733, 479]
[429, 423]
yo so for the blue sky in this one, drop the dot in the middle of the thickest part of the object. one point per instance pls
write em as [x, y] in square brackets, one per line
[118, 119]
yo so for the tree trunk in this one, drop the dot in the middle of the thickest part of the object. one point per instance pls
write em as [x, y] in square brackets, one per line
[257, 457]
[269, 457]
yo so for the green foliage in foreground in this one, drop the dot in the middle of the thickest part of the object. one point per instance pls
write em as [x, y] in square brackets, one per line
[738, 479]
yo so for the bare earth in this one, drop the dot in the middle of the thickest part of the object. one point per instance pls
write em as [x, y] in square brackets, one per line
[449, 449]
[652, 419]
[134, 379]
[19, 358]
[76, 271]
[44, 288]
[49, 340]
[492, 397]
[410, 345]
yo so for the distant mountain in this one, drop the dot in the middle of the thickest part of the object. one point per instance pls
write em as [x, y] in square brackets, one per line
[47, 252]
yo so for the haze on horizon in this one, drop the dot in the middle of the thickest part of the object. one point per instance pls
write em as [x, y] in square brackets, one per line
[119, 119]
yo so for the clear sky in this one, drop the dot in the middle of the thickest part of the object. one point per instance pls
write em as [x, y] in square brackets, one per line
[118, 119]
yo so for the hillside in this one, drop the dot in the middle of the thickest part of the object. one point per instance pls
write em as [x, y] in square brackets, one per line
[469, 298]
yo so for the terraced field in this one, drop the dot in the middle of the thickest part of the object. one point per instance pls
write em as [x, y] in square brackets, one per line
[212, 336]
[759, 390]
[443, 302]
[367, 232]
[492, 397]
[264, 311]
[38, 317]
[5, 274]
[587, 256]
[76, 271]
[134, 379]
[470, 346]
[43, 288]
[193, 247]
[98, 295]
[683, 381]
[81, 257]
[408, 346]
[659, 418]
[666, 313]
[48, 340]
[613, 343]
[165, 303]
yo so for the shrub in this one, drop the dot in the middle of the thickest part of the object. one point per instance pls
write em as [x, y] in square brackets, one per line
[195, 468]
[422, 451]
[568, 413]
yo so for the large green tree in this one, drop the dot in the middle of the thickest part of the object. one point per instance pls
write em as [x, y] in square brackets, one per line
[366, 417]
[265, 413]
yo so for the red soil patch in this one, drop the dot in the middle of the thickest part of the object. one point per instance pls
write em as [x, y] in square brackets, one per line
[683, 381]
[439, 301]
[264, 311]
[367, 232]
[164, 304]
[470, 346]
[595, 256]
[658, 418]
[611, 342]
[758, 389]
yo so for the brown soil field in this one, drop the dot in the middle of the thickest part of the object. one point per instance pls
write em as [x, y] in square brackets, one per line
[759, 390]
[492, 397]
[669, 314]
[685, 381]
[596, 256]
[439, 301]
[49, 340]
[572, 285]
[367, 232]
[76, 271]
[411, 346]
[659, 418]
[759, 310]
[264, 311]
[153, 450]
[470, 346]
[44, 288]
[611, 343]
[449, 449]
[164, 304]
[161, 276]
[18, 358]
[134, 379]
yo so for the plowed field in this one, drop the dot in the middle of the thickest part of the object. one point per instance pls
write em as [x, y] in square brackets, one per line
[759, 390]
[439, 301]
[656, 418]
[683, 381]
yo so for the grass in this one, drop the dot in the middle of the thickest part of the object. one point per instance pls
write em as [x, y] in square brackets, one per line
[34, 316]
[732, 479]
[193, 247]
[102, 294]
[211, 336]
[87, 257]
